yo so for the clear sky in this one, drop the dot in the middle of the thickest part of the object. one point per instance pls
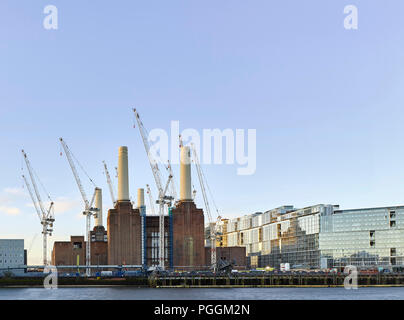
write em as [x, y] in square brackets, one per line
[327, 103]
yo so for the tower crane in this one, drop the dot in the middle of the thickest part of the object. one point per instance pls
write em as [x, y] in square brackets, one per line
[109, 181]
[212, 225]
[88, 206]
[150, 199]
[32, 244]
[46, 217]
[163, 199]
[172, 183]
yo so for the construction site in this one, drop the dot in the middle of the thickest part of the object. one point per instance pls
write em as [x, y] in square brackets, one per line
[170, 240]
[177, 236]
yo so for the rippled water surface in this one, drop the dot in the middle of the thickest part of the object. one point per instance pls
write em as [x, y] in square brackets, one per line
[131, 293]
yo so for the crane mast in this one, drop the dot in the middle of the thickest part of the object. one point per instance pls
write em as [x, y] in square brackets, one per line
[162, 198]
[205, 199]
[34, 201]
[172, 184]
[109, 181]
[46, 217]
[88, 209]
[150, 199]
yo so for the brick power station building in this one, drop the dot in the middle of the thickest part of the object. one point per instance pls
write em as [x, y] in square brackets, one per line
[132, 237]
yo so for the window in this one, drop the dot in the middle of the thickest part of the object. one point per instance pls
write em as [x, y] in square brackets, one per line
[77, 245]
[392, 219]
[372, 241]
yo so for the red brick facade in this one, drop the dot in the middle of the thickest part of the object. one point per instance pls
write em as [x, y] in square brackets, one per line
[238, 254]
[99, 246]
[66, 252]
[188, 235]
[124, 239]
[124, 235]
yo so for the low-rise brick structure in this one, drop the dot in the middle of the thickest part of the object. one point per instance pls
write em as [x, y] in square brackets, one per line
[69, 253]
[73, 252]
[236, 254]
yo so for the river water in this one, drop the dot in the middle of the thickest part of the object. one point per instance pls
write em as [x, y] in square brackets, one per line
[131, 293]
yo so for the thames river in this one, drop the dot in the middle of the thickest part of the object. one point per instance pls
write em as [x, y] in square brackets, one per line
[131, 293]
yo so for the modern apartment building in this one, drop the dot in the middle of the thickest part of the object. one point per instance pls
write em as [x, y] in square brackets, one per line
[321, 236]
[12, 255]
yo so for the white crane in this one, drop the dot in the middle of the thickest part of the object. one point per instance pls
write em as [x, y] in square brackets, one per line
[212, 226]
[32, 243]
[46, 217]
[109, 181]
[150, 199]
[162, 198]
[88, 209]
[172, 183]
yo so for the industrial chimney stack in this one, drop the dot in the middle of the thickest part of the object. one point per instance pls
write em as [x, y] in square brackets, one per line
[185, 174]
[124, 222]
[188, 221]
[123, 175]
[98, 205]
[140, 198]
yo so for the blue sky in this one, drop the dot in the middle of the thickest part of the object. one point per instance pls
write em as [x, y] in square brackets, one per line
[327, 103]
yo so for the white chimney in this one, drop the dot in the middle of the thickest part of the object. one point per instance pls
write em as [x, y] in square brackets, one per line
[98, 205]
[140, 197]
[185, 174]
[123, 175]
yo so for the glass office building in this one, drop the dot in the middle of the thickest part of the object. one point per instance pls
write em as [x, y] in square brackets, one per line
[363, 237]
[321, 236]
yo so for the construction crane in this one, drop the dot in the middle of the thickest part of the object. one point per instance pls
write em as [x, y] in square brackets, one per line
[163, 199]
[32, 244]
[212, 225]
[172, 183]
[46, 217]
[109, 181]
[88, 206]
[150, 199]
